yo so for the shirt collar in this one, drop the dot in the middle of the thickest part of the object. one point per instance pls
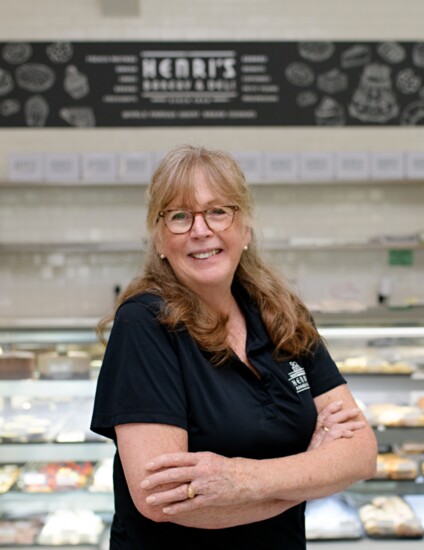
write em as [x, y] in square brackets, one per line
[257, 335]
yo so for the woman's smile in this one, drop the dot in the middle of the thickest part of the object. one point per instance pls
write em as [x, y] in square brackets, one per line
[206, 254]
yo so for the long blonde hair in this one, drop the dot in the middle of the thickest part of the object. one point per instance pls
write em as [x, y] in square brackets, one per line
[286, 318]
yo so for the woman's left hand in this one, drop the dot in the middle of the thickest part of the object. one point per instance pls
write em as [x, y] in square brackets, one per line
[202, 479]
[335, 422]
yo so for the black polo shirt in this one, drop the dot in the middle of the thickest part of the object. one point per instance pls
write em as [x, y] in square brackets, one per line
[150, 374]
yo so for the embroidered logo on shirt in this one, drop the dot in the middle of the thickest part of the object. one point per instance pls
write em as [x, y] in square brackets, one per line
[297, 377]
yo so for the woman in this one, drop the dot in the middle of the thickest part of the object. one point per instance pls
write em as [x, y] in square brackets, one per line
[226, 409]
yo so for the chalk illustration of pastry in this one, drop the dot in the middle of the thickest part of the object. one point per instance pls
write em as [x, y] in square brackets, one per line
[60, 52]
[75, 83]
[306, 99]
[36, 111]
[35, 77]
[332, 81]
[391, 52]
[355, 56]
[6, 82]
[413, 114]
[81, 117]
[374, 100]
[316, 51]
[299, 74]
[418, 54]
[9, 107]
[329, 113]
[16, 52]
[408, 82]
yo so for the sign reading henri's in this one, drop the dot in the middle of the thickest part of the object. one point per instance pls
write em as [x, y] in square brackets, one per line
[114, 84]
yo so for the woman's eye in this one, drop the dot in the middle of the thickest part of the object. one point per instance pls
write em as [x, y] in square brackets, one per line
[180, 216]
[217, 211]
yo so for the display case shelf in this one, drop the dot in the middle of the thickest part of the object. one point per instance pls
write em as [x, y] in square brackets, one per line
[40, 503]
[55, 452]
[48, 388]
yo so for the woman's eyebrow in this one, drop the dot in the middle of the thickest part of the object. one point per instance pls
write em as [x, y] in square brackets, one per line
[208, 204]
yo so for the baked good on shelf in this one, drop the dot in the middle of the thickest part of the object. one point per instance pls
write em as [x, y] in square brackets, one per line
[9, 474]
[55, 477]
[411, 447]
[390, 516]
[19, 531]
[74, 527]
[374, 365]
[62, 366]
[393, 415]
[15, 365]
[103, 477]
[393, 466]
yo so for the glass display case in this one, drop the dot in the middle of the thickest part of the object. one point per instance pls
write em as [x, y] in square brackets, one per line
[55, 473]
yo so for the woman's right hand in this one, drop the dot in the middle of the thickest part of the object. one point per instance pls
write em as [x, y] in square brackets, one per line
[334, 422]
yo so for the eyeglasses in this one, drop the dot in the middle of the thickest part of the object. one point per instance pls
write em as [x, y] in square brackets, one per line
[217, 218]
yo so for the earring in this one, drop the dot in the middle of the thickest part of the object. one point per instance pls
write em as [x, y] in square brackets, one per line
[162, 256]
[246, 247]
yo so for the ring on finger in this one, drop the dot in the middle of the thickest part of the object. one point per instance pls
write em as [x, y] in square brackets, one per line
[326, 429]
[191, 493]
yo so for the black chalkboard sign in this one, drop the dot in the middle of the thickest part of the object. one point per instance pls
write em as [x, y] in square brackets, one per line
[145, 84]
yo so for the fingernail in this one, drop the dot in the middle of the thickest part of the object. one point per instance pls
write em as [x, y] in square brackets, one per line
[150, 500]
[144, 484]
[149, 465]
[339, 403]
[166, 510]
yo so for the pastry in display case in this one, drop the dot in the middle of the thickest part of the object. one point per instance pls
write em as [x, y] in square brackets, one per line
[15, 365]
[393, 466]
[390, 516]
[19, 531]
[332, 518]
[54, 477]
[71, 527]
[72, 364]
[9, 474]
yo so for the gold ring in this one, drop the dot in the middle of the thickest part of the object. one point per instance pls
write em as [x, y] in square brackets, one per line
[326, 429]
[191, 493]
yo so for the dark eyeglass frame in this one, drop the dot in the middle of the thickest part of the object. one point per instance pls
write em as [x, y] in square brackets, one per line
[203, 213]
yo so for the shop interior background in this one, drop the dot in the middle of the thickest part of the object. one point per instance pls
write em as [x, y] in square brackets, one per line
[67, 247]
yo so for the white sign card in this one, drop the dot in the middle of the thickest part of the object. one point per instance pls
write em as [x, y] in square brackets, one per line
[316, 167]
[26, 167]
[414, 162]
[387, 165]
[280, 167]
[135, 167]
[352, 166]
[62, 167]
[99, 167]
[251, 164]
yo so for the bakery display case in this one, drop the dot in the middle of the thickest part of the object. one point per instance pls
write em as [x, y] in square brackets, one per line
[56, 475]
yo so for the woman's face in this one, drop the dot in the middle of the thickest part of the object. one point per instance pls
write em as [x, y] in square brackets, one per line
[202, 259]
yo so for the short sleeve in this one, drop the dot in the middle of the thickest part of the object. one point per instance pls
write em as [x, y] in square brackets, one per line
[140, 379]
[322, 372]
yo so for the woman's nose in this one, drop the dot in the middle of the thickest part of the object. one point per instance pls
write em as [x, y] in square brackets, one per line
[200, 227]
